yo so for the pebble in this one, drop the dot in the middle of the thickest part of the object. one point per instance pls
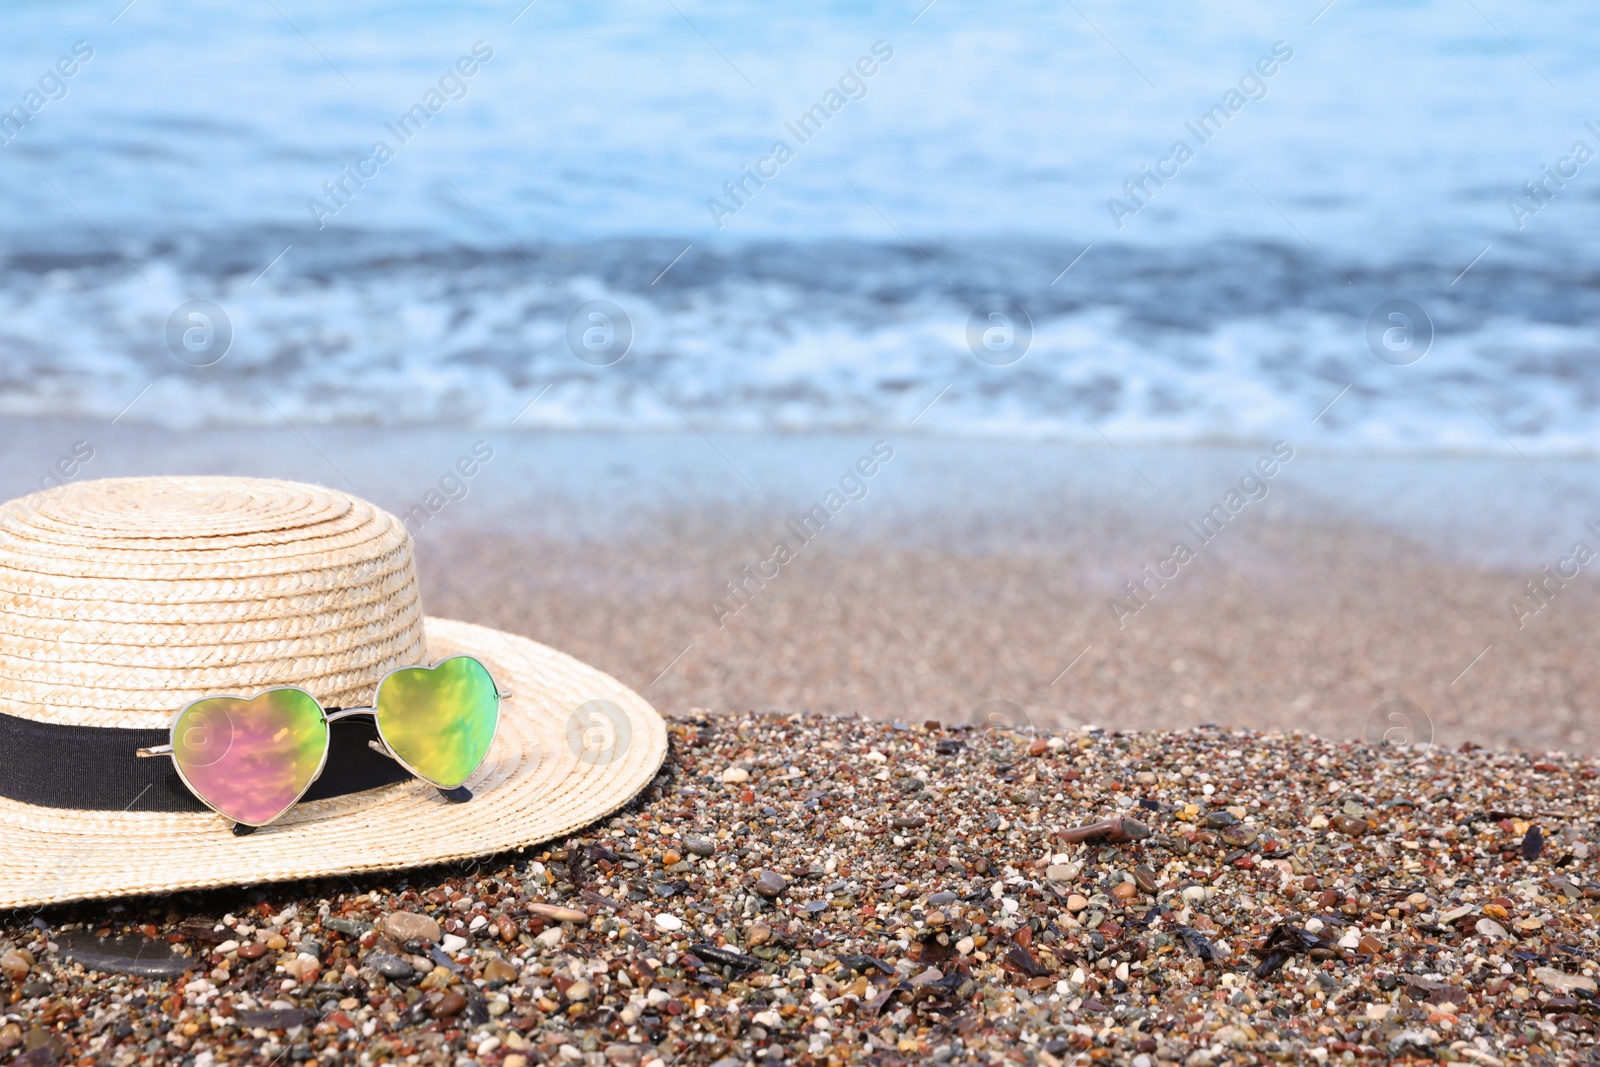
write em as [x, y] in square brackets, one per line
[971, 912]
[389, 965]
[452, 943]
[1490, 928]
[735, 776]
[557, 913]
[15, 964]
[1349, 824]
[1563, 981]
[403, 926]
[668, 922]
[499, 970]
[448, 1006]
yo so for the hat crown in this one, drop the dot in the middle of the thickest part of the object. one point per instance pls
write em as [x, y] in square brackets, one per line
[123, 599]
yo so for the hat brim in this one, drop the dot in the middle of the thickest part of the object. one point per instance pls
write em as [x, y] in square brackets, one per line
[573, 746]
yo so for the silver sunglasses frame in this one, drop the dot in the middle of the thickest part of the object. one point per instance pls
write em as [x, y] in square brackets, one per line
[329, 717]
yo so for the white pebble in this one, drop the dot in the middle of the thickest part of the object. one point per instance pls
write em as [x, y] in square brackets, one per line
[668, 922]
[452, 943]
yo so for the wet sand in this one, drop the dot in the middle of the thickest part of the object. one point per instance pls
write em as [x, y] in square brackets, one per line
[975, 580]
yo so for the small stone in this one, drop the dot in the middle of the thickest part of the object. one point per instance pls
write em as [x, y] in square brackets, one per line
[1124, 891]
[669, 858]
[1077, 902]
[390, 965]
[1062, 872]
[1349, 824]
[252, 951]
[669, 923]
[551, 937]
[965, 946]
[759, 934]
[1144, 878]
[700, 846]
[352, 927]
[449, 1005]
[1194, 894]
[498, 969]
[1369, 945]
[1490, 928]
[557, 913]
[1217, 820]
[302, 968]
[579, 991]
[16, 964]
[134, 954]
[910, 822]
[1240, 836]
[403, 926]
[452, 943]
[1563, 982]
[770, 883]
[735, 776]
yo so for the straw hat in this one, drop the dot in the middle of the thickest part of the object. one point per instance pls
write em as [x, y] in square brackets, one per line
[123, 599]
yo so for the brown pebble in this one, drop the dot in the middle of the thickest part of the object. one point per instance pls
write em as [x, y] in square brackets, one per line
[1124, 891]
[670, 857]
[759, 934]
[405, 926]
[16, 964]
[498, 969]
[449, 1005]
[559, 914]
[770, 883]
[1144, 878]
[1369, 945]
[252, 950]
[1349, 824]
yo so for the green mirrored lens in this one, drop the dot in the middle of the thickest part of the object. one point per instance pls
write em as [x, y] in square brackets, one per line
[251, 759]
[439, 720]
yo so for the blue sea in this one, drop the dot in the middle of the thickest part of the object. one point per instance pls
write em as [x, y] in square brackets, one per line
[805, 219]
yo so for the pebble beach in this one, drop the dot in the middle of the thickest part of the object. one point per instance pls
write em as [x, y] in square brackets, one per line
[821, 890]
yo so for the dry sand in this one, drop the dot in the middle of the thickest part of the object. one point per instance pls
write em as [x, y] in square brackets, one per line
[973, 574]
[1292, 625]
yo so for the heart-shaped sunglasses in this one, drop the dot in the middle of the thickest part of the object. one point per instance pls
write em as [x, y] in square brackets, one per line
[251, 759]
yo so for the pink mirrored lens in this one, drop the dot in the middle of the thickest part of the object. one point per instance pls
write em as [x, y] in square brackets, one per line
[251, 759]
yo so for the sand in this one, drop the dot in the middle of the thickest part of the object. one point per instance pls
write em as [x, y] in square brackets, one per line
[975, 579]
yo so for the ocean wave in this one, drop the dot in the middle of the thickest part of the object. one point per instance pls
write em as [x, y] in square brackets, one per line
[1131, 345]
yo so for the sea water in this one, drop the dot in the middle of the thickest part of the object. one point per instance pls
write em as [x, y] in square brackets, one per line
[391, 239]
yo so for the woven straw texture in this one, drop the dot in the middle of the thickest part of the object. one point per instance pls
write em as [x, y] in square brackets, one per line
[123, 599]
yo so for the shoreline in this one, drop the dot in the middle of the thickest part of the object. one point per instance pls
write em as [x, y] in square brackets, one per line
[963, 575]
